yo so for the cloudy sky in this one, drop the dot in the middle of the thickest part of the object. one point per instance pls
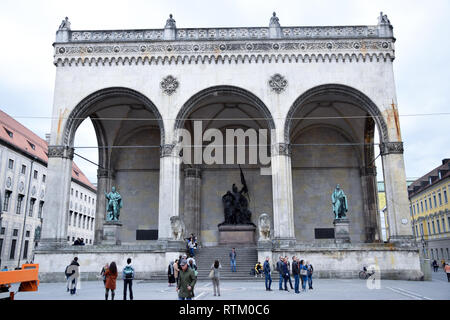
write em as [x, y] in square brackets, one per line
[422, 67]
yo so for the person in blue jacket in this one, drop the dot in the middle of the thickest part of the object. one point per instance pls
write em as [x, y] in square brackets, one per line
[266, 269]
[303, 274]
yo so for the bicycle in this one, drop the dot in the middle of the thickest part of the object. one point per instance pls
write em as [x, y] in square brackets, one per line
[364, 274]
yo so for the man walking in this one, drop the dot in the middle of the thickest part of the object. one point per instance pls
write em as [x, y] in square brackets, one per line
[266, 269]
[296, 273]
[233, 260]
[128, 276]
[279, 264]
[285, 273]
[185, 286]
[289, 271]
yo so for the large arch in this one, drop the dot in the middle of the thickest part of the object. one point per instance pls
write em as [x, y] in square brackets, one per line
[364, 102]
[82, 110]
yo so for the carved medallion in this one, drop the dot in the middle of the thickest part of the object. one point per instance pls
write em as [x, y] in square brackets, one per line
[277, 83]
[169, 85]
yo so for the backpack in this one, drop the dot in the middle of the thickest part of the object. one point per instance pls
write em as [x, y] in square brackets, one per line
[128, 271]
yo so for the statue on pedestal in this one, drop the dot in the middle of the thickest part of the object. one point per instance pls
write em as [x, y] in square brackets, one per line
[264, 227]
[274, 21]
[114, 205]
[65, 24]
[339, 203]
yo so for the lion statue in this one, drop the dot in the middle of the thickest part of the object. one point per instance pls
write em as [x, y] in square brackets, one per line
[177, 227]
[264, 227]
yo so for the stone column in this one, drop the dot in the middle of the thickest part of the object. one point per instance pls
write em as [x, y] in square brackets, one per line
[396, 192]
[169, 189]
[103, 183]
[369, 188]
[56, 206]
[283, 207]
[192, 200]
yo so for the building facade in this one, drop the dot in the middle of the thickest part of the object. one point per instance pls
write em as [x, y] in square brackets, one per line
[23, 181]
[313, 96]
[430, 212]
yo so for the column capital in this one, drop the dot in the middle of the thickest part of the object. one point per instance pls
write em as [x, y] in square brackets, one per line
[166, 150]
[65, 152]
[281, 149]
[391, 147]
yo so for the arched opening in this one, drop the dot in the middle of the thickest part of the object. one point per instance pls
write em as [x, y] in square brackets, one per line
[239, 125]
[129, 130]
[331, 130]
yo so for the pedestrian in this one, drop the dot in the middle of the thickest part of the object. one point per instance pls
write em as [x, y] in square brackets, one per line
[73, 284]
[296, 273]
[191, 246]
[192, 265]
[102, 273]
[435, 266]
[285, 272]
[289, 271]
[267, 274]
[171, 273]
[186, 283]
[215, 276]
[128, 276]
[176, 270]
[443, 264]
[310, 269]
[111, 276]
[303, 274]
[258, 269]
[279, 265]
[447, 270]
[233, 260]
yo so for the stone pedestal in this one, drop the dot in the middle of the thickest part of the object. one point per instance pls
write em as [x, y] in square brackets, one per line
[341, 230]
[111, 232]
[237, 234]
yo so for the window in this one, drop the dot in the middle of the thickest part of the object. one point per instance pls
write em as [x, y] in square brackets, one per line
[76, 194]
[421, 229]
[12, 253]
[11, 164]
[73, 238]
[35, 174]
[27, 234]
[10, 134]
[70, 219]
[25, 250]
[2, 230]
[31, 145]
[438, 224]
[85, 197]
[79, 221]
[443, 225]
[24, 169]
[32, 202]
[440, 199]
[15, 232]
[41, 206]
[6, 201]
[429, 200]
[71, 191]
[1, 247]
[410, 210]
[434, 198]
[421, 206]
[426, 205]
[417, 231]
[19, 203]
[81, 195]
[43, 178]
[429, 229]
[445, 196]
[434, 230]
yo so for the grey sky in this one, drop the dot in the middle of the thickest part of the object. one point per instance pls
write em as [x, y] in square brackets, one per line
[422, 69]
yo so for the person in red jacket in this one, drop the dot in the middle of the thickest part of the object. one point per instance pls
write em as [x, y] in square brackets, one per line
[111, 276]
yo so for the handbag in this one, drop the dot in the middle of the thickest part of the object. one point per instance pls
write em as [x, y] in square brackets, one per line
[303, 272]
[211, 274]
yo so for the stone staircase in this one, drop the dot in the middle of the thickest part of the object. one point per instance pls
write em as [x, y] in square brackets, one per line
[246, 258]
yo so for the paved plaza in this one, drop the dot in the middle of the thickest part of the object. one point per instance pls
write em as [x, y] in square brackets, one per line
[324, 289]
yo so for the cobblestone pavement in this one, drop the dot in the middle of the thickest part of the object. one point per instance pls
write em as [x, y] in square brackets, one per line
[324, 289]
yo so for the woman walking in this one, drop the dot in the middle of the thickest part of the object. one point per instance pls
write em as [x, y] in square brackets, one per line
[303, 274]
[176, 270]
[171, 274]
[111, 276]
[215, 276]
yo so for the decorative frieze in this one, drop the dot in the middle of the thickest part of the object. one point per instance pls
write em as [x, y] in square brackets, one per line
[283, 149]
[60, 152]
[391, 147]
[277, 83]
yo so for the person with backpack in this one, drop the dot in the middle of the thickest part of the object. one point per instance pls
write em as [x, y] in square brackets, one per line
[111, 276]
[128, 276]
[72, 284]
[310, 270]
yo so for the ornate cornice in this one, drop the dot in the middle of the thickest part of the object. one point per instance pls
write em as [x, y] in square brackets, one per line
[391, 147]
[60, 152]
[282, 149]
[209, 52]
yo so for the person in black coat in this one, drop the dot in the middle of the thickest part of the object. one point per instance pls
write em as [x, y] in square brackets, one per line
[285, 273]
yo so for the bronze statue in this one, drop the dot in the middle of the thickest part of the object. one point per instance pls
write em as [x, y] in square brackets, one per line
[114, 205]
[236, 207]
[339, 203]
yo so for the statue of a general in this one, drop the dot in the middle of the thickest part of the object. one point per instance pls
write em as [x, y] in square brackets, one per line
[339, 203]
[114, 205]
[236, 207]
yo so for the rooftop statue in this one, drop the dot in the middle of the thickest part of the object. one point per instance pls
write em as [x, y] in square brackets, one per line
[274, 21]
[339, 203]
[383, 19]
[114, 205]
[65, 24]
[170, 23]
